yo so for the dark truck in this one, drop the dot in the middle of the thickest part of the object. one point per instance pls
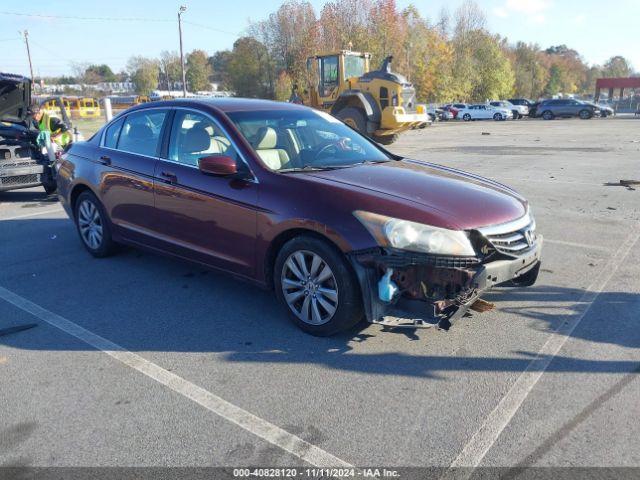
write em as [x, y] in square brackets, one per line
[22, 162]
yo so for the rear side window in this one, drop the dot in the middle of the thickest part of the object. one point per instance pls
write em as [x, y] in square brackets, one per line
[141, 132]
[112, 134]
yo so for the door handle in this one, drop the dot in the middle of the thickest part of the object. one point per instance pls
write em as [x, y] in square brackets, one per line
[171, 177]
[105, 160]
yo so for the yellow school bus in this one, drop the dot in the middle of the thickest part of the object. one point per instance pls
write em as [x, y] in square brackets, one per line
[86, 107]
[51, 108]
[126, 101]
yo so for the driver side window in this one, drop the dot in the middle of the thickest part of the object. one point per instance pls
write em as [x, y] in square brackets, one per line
[194, 136]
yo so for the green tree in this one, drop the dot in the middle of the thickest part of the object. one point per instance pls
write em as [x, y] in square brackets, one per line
[250, 69]
[99, 73]
[220, 65]
[494, 77]
[530, 74]
[144, 74]
[617, 66]
[170, 71]
[570, 70]
[198, 71]
[554, 84]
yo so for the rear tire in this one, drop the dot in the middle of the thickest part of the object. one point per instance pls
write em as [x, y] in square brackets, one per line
[317, 286]
[93, 225]
[355, 118]
[466, 117]
[548, 115]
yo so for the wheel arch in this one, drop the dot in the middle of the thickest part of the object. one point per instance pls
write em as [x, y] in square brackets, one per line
[281, 239]
[76, 190]
[362, 100]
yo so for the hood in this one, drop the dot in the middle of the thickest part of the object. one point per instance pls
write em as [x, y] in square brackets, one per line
[457, 199]
[15, 97]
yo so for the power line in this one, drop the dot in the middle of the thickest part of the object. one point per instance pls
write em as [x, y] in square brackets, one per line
[74, 17]
[124, 19]
[211, 28]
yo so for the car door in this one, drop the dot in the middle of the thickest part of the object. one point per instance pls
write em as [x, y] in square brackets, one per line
[562, 108]
[129, 152]
[483, 111]
[573, 107]
[206, 218]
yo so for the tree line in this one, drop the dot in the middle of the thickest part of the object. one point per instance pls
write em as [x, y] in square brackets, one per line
[450, 57]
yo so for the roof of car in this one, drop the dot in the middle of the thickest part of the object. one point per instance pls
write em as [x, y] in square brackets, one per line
[227, 104]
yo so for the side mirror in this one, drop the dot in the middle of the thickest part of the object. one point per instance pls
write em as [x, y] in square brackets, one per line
[220, 165]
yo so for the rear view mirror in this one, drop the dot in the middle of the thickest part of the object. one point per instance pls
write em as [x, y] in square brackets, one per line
[221, 165]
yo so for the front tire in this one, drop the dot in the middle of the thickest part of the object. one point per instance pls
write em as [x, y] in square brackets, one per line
[93, 225]
[497, 117]
[387, 139]
[585, 114]
[548, 115]
[316, 285]
[50, 188]
[355, 118]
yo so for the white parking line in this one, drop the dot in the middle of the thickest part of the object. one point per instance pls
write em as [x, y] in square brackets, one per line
[588, 246]
[484, 438]
[251, 423]
[34, 214]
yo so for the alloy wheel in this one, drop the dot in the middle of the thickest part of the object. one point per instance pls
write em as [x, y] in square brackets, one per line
[90, 224]
[309, 287]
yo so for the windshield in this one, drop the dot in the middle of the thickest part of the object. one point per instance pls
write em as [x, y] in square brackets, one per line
[290, 140]
[353, 66]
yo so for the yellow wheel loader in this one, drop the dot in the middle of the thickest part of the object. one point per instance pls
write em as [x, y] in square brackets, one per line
[377, 103]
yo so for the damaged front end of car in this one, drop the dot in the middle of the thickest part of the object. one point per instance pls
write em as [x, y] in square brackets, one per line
[403, 288]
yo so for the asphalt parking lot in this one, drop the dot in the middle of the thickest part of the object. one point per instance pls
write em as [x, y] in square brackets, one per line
[140, 360]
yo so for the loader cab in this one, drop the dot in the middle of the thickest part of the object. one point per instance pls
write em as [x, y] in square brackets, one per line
[333, 73]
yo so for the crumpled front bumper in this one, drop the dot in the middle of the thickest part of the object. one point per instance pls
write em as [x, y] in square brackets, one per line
[436, 290]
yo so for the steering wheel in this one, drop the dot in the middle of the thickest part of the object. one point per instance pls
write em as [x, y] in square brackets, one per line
[323, 150]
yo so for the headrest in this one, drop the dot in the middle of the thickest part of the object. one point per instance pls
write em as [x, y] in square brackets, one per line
[196, 139]
[265, 139]
[140, 131]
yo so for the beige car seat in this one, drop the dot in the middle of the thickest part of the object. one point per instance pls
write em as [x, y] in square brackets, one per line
[265, 142]
[197, 142]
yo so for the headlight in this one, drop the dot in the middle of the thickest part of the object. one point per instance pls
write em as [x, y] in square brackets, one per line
[416, 237]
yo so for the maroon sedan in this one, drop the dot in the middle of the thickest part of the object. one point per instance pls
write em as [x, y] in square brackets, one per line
[292, 199]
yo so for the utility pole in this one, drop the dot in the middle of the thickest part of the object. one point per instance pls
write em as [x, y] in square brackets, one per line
[26, 41]
[183, 8]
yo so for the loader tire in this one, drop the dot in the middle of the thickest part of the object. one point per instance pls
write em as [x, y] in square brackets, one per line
[355, 118]
[386, 139]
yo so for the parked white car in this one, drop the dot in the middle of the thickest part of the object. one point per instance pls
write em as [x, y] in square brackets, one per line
[484, 112]
[518, 111]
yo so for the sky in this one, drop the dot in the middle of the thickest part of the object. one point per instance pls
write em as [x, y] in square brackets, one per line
[595, 28]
